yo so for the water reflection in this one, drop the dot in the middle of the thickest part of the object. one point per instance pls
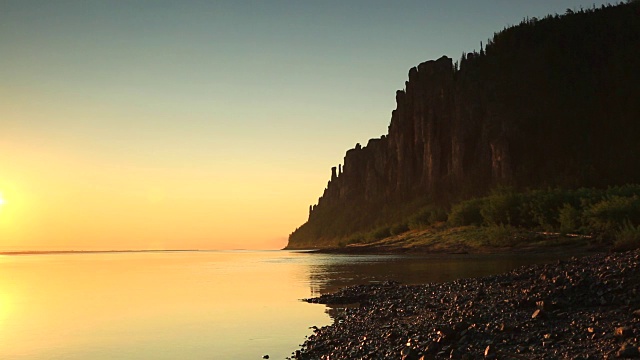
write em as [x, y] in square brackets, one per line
[332, 272]
[195, 305]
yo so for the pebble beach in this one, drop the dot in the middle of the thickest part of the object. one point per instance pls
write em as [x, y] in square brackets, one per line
[581, 308]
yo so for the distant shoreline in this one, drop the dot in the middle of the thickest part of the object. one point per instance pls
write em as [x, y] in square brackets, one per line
[61, 252]
[575, 250]
[457, 242]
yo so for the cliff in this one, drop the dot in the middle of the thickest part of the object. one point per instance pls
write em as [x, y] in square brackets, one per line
[549, 102]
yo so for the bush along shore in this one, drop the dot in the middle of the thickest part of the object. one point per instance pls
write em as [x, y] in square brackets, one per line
[508, 219]
[582, 308]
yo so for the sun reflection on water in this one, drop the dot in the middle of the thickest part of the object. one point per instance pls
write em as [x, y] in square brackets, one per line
[195, 305]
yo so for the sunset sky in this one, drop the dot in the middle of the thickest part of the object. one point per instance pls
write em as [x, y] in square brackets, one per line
[203, 124]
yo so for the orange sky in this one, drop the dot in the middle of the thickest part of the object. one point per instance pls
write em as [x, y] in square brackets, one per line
[68, 201]
[203, 125]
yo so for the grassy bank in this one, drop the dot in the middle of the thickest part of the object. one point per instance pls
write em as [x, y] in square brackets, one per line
[510, 219]
[473, 239]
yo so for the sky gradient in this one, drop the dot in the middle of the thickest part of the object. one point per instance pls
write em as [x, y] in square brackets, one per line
[203, 124]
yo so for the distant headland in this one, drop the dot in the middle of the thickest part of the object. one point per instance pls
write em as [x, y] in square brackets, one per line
[537, 132]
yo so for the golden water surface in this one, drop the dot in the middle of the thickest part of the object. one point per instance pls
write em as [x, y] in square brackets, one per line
[211, 305]
[190, 305]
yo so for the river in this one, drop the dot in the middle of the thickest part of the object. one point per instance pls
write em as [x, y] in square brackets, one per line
[193, 305]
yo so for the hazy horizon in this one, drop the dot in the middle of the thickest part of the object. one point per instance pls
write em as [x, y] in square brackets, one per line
[203, 125]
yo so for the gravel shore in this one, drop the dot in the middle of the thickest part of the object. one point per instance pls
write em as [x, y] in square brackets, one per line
[582, 308]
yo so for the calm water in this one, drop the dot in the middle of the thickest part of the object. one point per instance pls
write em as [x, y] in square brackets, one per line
[191, 305]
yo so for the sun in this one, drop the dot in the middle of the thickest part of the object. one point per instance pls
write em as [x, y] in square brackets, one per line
[2, 200]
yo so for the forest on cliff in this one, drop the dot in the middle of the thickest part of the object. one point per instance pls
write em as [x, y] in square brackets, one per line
[550, 103]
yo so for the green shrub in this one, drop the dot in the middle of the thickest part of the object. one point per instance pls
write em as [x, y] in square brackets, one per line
[628, 190]
[355, 239]
[502, 207]
[602, 213]
[380, 234]
[541, 208]
[627, 237]
[437, 215]
[608, 215]
[569, 218]
[399, 229]
[427, 216]
[500, 235]
[466, 213]
[420, 219]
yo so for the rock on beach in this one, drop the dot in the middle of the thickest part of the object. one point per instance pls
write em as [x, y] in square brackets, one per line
[583, 308]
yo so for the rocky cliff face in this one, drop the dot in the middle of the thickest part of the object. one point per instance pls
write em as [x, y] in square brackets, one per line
[547, 103]
[434, 141]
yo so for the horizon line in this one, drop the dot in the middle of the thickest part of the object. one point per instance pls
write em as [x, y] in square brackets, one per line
[50, 252]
